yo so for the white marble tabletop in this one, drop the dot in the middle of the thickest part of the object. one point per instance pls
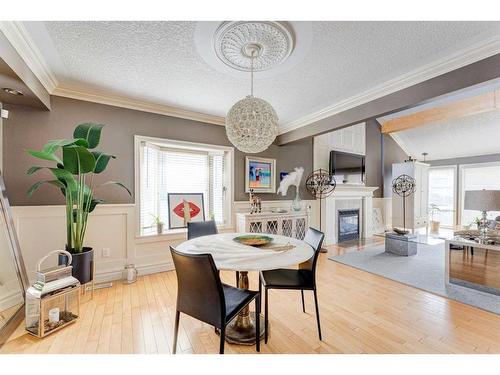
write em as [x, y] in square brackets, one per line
[231, 255]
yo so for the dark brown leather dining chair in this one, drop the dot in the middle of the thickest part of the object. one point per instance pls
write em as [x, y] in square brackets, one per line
[202, 295]
[204, 228]
[302, 279]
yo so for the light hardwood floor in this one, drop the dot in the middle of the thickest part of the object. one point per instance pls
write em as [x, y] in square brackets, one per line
[360, 313]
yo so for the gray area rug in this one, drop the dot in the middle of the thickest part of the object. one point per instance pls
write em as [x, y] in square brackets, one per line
[425, 271]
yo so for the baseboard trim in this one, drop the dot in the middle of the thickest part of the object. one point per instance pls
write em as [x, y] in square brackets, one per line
[115, 275]
[155, 268]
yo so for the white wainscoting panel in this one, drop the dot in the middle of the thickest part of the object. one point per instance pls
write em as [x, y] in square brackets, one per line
[42, 229]
[385, 205]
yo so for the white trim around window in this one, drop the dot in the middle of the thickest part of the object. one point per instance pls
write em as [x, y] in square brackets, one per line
[455, 192]
[193, 147]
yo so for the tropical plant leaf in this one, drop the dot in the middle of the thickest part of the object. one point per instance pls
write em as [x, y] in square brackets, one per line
[81, 142]
[36, 185]
[77, 159]
[52, 146]
[117, 183]
[90, 132]
[34, 169]
[66, 178]
[45, 155]
[94, 204]
[101, 160]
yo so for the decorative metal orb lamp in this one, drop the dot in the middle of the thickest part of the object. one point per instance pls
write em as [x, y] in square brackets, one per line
[404, 186]
[320, 184]
[252, 123]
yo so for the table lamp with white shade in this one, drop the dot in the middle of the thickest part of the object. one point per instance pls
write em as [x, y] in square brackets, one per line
[484, 201]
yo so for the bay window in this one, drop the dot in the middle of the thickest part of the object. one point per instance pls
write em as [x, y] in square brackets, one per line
[167, 166]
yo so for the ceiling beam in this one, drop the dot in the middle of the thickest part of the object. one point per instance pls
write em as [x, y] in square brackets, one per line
[466, 76]
[17, 64]
[471, 106]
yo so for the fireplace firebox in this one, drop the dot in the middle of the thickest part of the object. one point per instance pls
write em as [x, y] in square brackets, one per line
[348, 225]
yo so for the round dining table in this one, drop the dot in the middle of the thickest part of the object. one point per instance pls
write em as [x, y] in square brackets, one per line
[230, 255]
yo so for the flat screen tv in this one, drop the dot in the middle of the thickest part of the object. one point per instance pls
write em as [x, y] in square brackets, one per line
[346, 164]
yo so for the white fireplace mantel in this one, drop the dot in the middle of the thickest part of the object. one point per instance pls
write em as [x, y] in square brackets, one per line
[348, 197]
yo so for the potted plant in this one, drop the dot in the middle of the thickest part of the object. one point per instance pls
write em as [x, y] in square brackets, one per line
[159, 224]
[434, 223]
[76, 163]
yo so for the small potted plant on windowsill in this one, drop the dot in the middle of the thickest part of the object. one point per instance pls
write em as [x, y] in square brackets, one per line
[434, 223]
[73, 174]
[159, 224]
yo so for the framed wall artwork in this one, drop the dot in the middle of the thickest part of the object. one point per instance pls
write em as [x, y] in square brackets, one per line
[260, 175]
[183, 208]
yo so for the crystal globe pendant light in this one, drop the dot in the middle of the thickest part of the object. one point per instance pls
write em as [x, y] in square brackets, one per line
[252, 123]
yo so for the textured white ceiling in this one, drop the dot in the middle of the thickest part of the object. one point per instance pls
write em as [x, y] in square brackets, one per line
[159, 61]
[468, 136]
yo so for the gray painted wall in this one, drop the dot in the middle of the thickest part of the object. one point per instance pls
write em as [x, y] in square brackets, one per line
[373, 158]
[392, 153]
[29, 128]
[381, 152]
[466, 160]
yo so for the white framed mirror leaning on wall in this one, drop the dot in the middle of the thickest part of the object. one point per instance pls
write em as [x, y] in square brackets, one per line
[13, 279]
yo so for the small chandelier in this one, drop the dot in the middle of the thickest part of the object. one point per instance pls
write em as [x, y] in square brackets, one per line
[252, 123]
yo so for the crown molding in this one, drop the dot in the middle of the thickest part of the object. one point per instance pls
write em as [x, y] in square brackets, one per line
[20, 39]
[469, 55]
[124, 102]
[18, 36]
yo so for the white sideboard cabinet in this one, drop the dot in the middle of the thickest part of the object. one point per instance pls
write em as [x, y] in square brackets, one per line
[290, 224]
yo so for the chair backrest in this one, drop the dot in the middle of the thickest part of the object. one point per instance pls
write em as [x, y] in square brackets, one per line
[199, 289]
[201, 228]
[314, 238]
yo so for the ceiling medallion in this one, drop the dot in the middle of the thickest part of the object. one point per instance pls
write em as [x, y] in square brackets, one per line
[235, 41]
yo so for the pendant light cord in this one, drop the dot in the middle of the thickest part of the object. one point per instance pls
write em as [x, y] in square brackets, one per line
[251, 73]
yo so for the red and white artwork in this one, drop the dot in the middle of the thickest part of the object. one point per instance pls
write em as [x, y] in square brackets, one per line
[183, 208]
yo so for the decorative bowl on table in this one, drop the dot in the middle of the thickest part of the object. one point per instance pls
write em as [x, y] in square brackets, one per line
[253, 240]
[401, 231]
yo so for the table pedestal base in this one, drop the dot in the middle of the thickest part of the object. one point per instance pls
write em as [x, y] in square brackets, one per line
[242, 329]
[244, 334]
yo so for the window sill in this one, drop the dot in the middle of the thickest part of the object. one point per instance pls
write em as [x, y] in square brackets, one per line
[172, 235]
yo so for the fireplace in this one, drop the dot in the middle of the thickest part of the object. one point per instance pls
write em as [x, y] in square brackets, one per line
[348, 225]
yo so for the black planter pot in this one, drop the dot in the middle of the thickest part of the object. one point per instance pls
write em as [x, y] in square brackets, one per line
[83, 264]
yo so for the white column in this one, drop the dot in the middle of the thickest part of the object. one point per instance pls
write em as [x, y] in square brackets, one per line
[330, 222]
[367, 216]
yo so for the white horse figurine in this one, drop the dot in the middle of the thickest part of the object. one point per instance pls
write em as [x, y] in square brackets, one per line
[291, 179]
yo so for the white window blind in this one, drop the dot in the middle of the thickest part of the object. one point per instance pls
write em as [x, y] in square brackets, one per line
[169, 170]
